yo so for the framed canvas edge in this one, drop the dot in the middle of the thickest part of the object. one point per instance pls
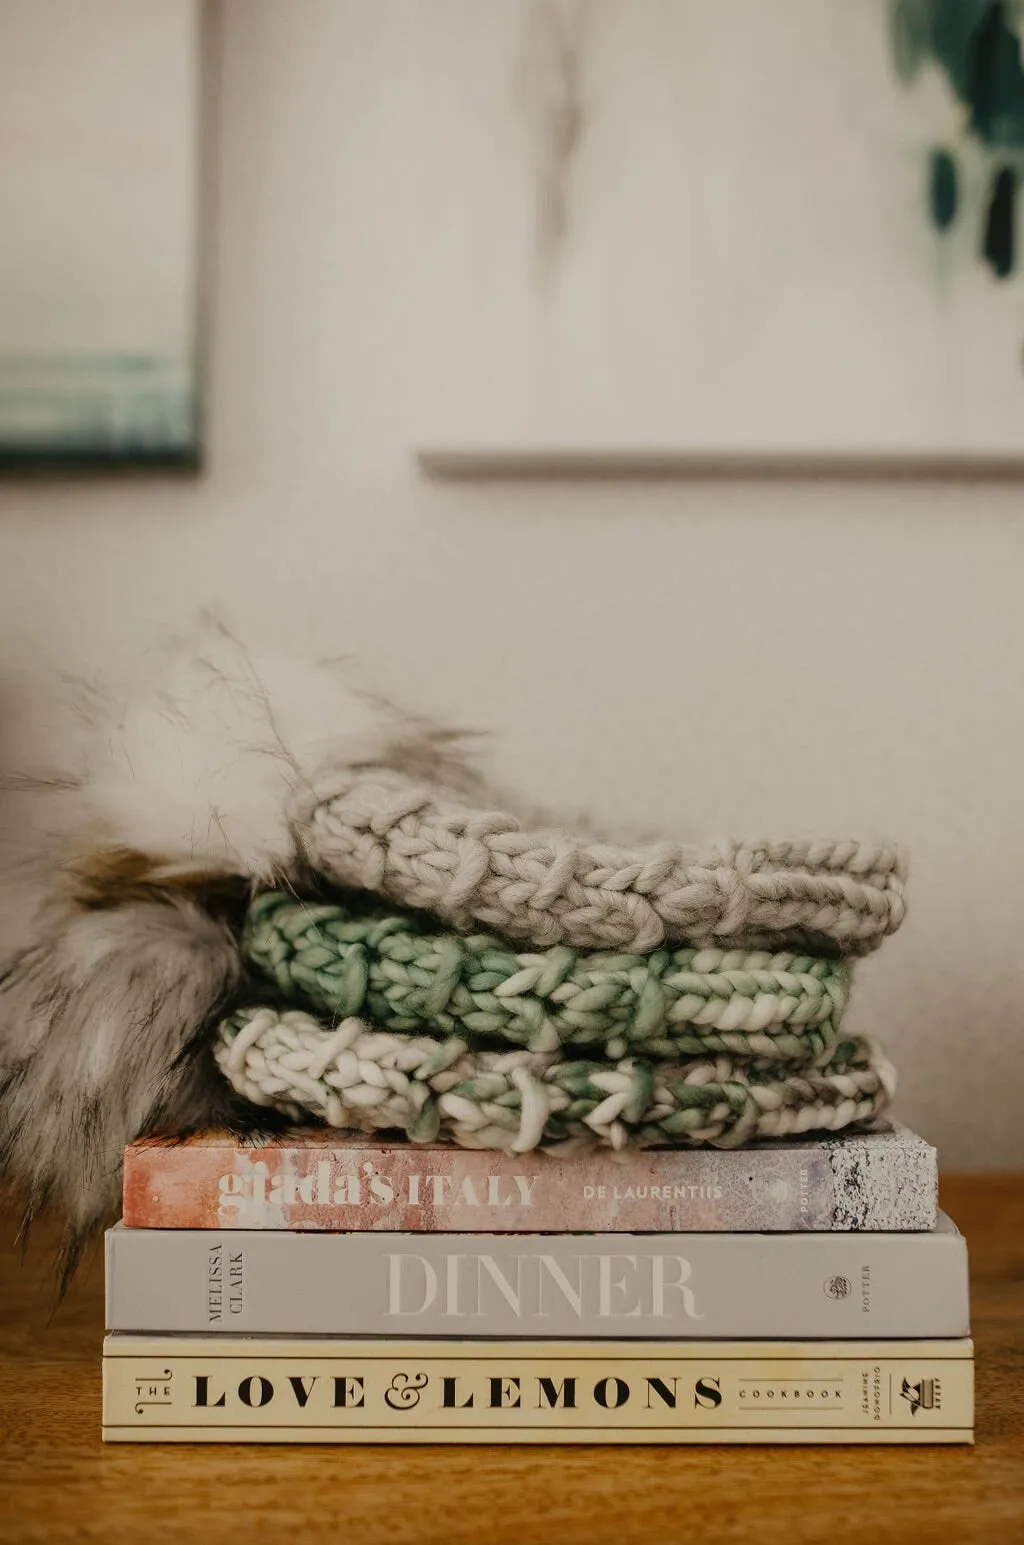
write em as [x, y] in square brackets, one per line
[447, 464]
[57, 465]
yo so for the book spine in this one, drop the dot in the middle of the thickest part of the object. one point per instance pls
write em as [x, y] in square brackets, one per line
[637, 1285]
[862, 1184]
[177, 1389]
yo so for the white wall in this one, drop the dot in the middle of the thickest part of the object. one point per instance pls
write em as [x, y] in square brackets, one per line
[723, 657]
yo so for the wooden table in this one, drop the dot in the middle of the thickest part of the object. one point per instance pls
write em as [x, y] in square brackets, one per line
[58, 1482]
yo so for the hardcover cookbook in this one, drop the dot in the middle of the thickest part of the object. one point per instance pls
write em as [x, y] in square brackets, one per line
[317, 1180]
[628, 1285]
[394, 1391]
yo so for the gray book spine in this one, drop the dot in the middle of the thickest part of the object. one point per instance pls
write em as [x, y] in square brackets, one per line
[866, 1285]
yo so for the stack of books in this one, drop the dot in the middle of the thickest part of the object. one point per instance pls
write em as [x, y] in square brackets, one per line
[324, 1290]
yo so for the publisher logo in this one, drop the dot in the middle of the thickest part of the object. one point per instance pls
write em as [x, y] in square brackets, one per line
[925, 1395]
[838, 1287]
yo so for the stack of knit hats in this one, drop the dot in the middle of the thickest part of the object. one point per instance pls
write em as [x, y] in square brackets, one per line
[249, 892]
[651, 996]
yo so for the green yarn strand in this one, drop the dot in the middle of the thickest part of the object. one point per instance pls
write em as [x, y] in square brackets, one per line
[405, 976]
[359, 1078]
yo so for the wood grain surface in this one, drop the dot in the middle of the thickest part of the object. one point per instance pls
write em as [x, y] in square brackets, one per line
[58, 1482]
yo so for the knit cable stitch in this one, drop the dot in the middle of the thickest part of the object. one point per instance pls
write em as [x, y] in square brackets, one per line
[405, 975]
[416, 844]
[358, 1078]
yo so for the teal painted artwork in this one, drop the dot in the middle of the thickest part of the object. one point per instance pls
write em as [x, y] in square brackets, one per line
[674, 230]
[99, 207]
[977, 44]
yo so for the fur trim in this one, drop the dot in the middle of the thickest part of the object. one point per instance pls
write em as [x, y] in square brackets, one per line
[95, 1021]
[110, 968]
[200, 772]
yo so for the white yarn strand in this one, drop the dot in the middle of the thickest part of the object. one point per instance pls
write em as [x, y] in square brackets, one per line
[421, 846]
[356, 1078]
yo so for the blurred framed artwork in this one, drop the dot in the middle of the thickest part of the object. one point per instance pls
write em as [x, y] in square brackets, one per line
[99, 209]
[680, 233]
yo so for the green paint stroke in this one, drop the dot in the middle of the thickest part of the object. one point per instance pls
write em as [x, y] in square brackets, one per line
[942, 200]
[1000, 223]
[979, 48]
[977, 44]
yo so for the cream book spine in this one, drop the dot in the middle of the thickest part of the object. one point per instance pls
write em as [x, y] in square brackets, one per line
[304, 1390]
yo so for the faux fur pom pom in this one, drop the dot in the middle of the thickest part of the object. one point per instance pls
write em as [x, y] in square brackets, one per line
[102, 1042]
[126, 868]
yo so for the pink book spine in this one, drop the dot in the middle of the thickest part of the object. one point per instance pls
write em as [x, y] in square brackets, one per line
[321, 1184]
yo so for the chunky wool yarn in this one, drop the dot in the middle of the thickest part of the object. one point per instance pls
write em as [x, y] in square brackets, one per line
[693, 1045]
[354, 1077]
[404, 973]
[415, 843]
